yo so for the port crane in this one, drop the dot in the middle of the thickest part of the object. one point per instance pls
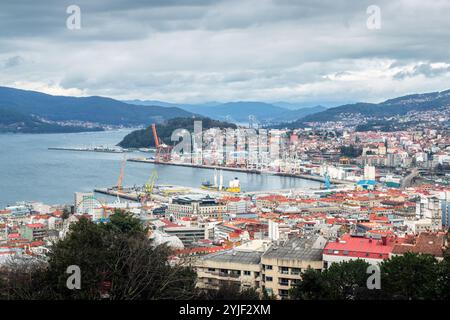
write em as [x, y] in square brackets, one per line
[162, 150]
[148, 187]
[151, 183]
[122, 173]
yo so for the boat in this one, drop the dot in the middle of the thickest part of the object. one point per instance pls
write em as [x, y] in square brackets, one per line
[234, 185]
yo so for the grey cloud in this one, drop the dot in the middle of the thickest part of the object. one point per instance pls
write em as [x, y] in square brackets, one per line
[13, 62]
[424, 69]
[229, 49]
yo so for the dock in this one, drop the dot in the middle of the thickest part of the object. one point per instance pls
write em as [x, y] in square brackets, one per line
[243, 170]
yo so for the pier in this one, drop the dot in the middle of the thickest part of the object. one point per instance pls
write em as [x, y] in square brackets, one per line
[243, 170]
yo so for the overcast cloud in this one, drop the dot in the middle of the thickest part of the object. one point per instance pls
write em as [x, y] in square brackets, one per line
[196, 51]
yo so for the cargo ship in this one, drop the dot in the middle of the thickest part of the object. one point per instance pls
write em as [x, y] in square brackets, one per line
[234, 185]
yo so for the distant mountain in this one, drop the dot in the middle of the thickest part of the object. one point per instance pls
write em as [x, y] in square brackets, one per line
[360, 113]
[151, 103]
[240, 111]
[294, 115]
[104, 111]
[237, 111]
[295, 106]
[168, 104]
[144, 138]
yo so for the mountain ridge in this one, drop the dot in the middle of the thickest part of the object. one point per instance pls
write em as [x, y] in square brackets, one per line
[99, 110]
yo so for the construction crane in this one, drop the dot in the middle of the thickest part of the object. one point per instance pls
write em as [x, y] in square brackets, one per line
[122, 172]
[162, 150]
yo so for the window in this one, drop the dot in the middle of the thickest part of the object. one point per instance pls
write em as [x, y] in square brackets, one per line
[283, 270]
[296, 271]
[269, 279]
[330, 251]
[246, 273]
[211, 269]
[346, 252]
[268, 267]
[283, 293]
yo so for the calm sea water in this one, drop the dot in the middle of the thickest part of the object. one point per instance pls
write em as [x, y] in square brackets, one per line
[31, 172]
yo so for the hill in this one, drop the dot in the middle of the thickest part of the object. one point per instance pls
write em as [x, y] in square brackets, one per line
[144, 138]
[388, 108]
[407, 107]
[95, 109]
[14, 122]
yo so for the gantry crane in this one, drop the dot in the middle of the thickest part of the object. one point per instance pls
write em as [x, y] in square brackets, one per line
[162, 150]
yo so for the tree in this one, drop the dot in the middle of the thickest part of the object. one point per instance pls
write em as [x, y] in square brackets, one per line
[230, 291]
[410, 277]
[443, 288]
[350, 151]
[117, 261]
[341, 281]
[347, 280]
[66, 213]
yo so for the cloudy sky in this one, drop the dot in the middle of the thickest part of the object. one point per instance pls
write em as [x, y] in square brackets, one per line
[304, 51]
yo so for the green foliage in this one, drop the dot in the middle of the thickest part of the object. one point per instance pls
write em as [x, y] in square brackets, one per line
[350, 151]
[230, 291]
[66, 213]
[410, 277]
[341, 281]
[407, 277]
[117, 261]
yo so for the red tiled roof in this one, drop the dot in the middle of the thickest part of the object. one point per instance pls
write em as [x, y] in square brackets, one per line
[360, 247]
[35, 225]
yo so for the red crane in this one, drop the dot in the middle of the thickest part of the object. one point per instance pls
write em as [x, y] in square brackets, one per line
[162, 150]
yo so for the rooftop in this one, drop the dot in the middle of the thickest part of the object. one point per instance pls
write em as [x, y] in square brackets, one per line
[308, 249]
[235, 256]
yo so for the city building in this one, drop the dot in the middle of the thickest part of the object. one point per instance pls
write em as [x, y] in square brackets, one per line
[283, 262]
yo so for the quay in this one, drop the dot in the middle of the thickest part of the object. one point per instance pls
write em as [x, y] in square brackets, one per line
[243, 170]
